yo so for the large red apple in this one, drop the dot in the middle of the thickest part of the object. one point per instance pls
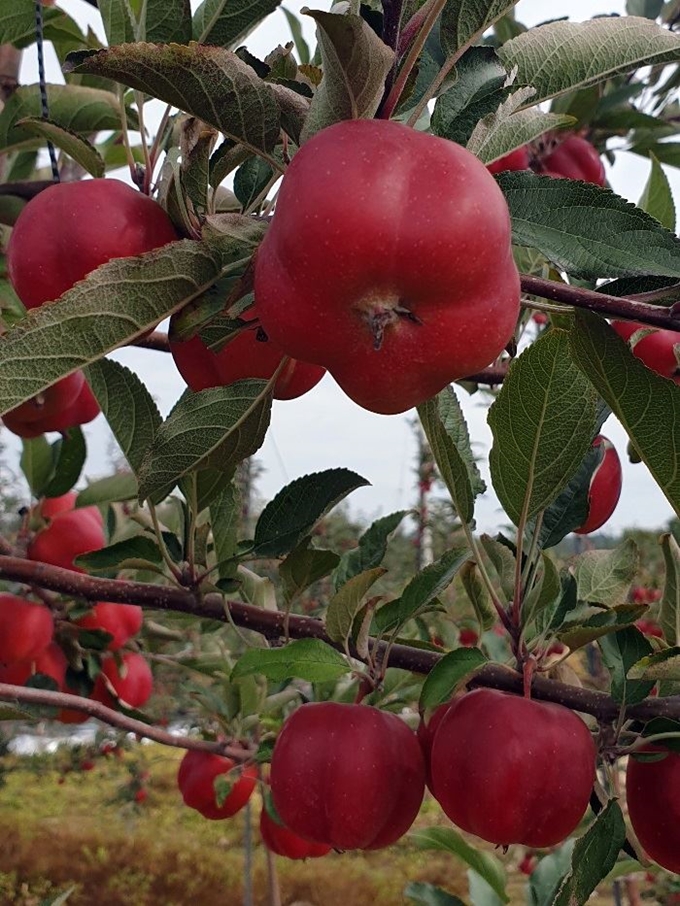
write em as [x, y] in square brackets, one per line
[72, 228]
[511, 769]
[349, 776]
[282, 841]
[121, 621]
[388, 262]
[67, 536]
[653, 797]
[132, 681]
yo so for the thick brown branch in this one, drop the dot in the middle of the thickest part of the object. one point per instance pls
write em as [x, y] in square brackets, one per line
[156, 340]
[272, 624]
[610, 306]
[30, 696]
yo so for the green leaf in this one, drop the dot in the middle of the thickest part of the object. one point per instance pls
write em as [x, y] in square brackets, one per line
[216, 429]
[657, 198]
[225, 516]
[75, 108]
[447, 674]
[301, 45]
[251, 179]
[77, 148]
[621, 651]
[346, 603]
[117, 302]
[113, 488]
[138, 551]
[670, 602]
[478, 594]
[446, 432]
[604, 576]
[127, 406]
[303, 566]
[207, 82]
[17, 23]
[307, 659]
[587, 230]
[445, 839]
[582, 629]
[429, 895]
[464, 20]
[647, 405]
[543, 424]
[370, 550]
[561, 56]
[503, 561]
[548, 874]
[478, 90]
[545, 592]
[37, 463]
[481, 893]
[569, 510]
[422, 590]
[118, 21]
[165, 22]
[355, 65]
[70, 452]
[650, 9]
[661, 665]
[296, 509]
[225, 23]
[593, 858]
[499, 133]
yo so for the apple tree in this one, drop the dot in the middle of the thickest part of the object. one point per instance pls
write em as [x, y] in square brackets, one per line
[419, 207]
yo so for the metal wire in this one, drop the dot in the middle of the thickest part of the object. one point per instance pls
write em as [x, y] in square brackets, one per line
[39, 39]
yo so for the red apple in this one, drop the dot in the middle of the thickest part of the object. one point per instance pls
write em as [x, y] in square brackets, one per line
[605, 488]
[511, 769]
[658, 349]
[26, 629]
[516, 160]
[388, 262]
[196, 780]
[349, 776]
[121, 621]
[72, 228]
[282, 841]
[132, 682]
[575, 158]
[653, 797]
[67, 536]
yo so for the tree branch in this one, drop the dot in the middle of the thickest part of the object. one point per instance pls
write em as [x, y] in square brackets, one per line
[610, 306]
[275, 625]
[31, 696]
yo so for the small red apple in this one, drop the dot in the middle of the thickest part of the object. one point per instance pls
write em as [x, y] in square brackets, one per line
[132, 681]
[122, 621]
[26, 629]
[658, 349]
[575, 158]
[68, 535]
[196, 778]
[516, 160]
[605, 488]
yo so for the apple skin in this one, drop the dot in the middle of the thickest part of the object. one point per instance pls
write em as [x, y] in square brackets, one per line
[575, 158]
[50, 662]
[132, 682]
[72, 228]
[516, 160]
[245, 356]
[653, 797]
[655, 350]
[605, 488]
[83, 408]
[121, 621]
[426, 732]
[67, 536]
[511, 769]
[389, 263]
[26, 629]
[49, 507]
[196, 782]
[282, 841]
[349, 776]
[51, 401]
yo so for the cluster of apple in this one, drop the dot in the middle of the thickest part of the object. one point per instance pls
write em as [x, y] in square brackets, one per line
[218, 788]
[27, 644]
[58, 239]
[568, 157]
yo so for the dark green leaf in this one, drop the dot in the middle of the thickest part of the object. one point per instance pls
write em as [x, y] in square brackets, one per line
[295, 510]
[225, 516]
[370, 550]
[543, 423]
[620, 652]
[37, 463]
[346, 603]
[226, 24]
[429, 895]
[446, 839]
[303, 566]
[70, 454]
[135, 552]
[113, 488]
[670, 602]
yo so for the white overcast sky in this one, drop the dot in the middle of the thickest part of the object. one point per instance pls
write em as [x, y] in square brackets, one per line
[324, 429]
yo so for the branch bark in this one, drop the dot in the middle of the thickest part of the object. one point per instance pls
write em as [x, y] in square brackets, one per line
[275, 625]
